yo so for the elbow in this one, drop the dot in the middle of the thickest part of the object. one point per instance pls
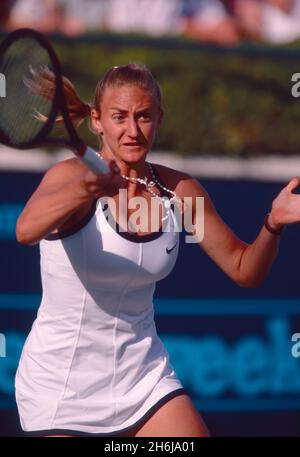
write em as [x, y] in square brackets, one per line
[23, 239]
[22, 235]
[249, 283]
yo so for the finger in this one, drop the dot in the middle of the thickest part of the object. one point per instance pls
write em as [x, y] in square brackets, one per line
[114, 167]
[118, 181]
[295, 182]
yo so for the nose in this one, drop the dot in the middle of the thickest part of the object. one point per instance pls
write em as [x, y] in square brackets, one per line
[132, 128]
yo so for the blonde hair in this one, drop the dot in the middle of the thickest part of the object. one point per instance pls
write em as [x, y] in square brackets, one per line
[42, 82]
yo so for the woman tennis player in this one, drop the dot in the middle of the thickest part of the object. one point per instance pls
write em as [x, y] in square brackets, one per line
[93, 363]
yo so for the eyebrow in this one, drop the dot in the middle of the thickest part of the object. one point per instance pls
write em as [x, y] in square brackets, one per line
[142, 110]
[118, 109]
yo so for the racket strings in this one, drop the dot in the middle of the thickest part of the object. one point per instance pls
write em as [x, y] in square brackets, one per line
[18, 115]
[42, 83]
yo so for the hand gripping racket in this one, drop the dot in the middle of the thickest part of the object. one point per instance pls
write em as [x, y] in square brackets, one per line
[24, 54]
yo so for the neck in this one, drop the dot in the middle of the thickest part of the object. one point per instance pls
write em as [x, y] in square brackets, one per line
[131, 170]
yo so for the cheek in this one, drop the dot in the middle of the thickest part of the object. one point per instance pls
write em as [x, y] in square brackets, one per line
[152, 133]
[111, 130]
[149, 130]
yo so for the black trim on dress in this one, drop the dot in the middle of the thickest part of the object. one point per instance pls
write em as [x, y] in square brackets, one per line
[143, 419]
[82, 223]
[125, 234]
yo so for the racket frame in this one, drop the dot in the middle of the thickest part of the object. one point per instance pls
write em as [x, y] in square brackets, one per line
[58, 103]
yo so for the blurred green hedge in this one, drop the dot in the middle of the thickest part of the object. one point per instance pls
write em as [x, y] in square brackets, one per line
[230, 103]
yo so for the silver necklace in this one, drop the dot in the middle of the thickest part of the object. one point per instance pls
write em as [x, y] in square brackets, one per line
[149, 184]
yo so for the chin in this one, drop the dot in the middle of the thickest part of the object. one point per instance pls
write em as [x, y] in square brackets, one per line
[134, 156]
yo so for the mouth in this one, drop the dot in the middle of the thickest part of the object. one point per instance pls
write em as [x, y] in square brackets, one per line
[132, 145]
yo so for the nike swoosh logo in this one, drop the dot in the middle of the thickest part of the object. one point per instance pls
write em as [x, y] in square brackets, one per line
[169, 250]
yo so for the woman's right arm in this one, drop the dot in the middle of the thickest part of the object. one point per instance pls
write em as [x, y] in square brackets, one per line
[65, 189]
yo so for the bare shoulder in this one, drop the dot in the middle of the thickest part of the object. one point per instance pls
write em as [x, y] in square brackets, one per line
[59, 174]
[180, 182]
[66, 167]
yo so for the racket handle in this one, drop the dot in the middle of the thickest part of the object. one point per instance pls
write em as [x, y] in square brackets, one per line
[93, 161]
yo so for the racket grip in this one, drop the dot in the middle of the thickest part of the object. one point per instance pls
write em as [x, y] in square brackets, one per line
[93, 161]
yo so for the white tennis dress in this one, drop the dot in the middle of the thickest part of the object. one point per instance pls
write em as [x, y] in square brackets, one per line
[93, 362]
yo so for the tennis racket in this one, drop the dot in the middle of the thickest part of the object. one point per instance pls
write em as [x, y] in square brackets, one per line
[24, 54]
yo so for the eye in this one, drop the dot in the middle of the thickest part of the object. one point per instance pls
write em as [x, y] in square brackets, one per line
[118, 117]
[145, 116]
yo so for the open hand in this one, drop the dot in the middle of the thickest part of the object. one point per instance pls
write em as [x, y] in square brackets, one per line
[286, 206]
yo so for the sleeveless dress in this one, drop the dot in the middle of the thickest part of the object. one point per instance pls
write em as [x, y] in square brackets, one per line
[93, 362]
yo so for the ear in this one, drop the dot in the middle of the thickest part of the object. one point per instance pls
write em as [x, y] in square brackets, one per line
[96, 122]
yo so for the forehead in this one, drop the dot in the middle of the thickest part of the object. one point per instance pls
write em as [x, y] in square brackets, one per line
[127, 97]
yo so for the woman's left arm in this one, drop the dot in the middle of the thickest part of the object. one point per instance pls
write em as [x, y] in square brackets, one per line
[246, 264]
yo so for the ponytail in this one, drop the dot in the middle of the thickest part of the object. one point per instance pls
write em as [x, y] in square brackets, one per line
[42, 83]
